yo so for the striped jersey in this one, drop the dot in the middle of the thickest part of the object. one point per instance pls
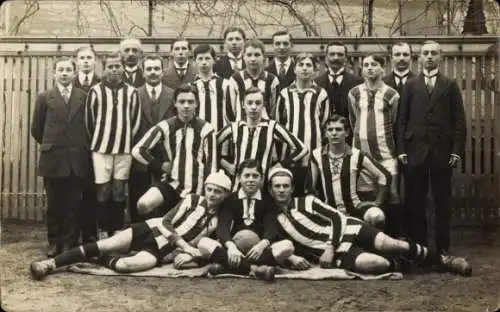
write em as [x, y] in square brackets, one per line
[212, 100]
[241, 81]
[113, 117]
[303, 113]
[191, 219]
[189, 147]
[335, 180]
[372, 114]
[258, 142]
[310, 224]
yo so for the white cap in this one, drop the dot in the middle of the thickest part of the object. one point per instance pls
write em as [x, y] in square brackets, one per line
[277, 170]
[220, 179]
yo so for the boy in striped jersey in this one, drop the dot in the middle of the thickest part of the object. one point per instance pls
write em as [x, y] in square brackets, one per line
[303, 109]
[153, 239]
[254, 75]
[246, 210]
[334, 173]
[113, 116]
[190, 149]
[255, 138]
[212, 89]
[321, 233]
[373, 110]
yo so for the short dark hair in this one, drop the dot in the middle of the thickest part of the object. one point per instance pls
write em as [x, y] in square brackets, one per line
[255, 43]
[400, 44]
[184, 88]
[204, 48]
[112, 55]
[282, 33]
[252, 90]
[336, 43]
[152, 57]
[301, 56]
[233, 29]
[377, 58]
[83, 48]
[250, 164]
[337, 118]
[180, 39]
[64, 59]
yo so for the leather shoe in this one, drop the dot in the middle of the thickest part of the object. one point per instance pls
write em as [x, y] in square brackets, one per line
[53, 250]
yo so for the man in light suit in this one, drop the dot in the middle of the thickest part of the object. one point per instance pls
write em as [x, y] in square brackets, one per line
[131, 54]
[59, 127]
[232, 61]
[157, 104]
[282, 66]
[85, 65]
[431, 136]
[182, 71]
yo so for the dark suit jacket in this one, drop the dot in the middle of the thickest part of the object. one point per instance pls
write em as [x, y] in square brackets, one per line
[432, 123]
[166, 110]
[60, 130]
[338, 96]
[222, 67]
[289, 75]
[390, 80]
[139, 79]
[172, 79]
[95, 80]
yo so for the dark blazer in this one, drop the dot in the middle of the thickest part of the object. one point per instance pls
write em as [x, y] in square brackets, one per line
[222, 67]
[95, 80]
[338, 96]
[390, 80]
[139, 79]
[172, 79]
[289, 75]
[60, 130]
[431, 123]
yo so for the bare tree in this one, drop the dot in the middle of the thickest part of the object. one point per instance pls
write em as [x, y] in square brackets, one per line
[31, 7]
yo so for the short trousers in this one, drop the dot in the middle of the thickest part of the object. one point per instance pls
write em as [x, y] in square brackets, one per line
[108, 167]
[148, 238]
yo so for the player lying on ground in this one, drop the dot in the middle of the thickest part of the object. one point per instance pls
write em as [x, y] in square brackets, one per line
[192, 218]
[246, 228]
[321, 233]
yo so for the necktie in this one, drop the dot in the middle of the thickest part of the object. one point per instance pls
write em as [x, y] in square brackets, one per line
[65, 94]
[399, 85]
[153, 95]
[282, 71]
[371, 98]
[429, 84]
[335, 78]
[86, 81]
[131, 76]
[207, 117]
[181, 72]
[247, 212]
[236, 63]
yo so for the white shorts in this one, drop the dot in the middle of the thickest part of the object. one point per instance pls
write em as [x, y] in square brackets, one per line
[108, 167]
[367, 182]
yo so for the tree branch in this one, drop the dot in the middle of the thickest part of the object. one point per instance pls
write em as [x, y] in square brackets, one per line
[32, 7]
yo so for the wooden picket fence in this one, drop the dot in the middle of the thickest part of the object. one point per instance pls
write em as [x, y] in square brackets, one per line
[26, 69]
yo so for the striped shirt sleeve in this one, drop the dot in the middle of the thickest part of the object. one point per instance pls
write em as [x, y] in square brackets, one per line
[279, 113]
[353, 109]
[298, 148]
[233, 100]
[209, 150]
[275, 90]
[324, 107]
[376, 169]
[135, 115]
[142, 150]
[90, 112]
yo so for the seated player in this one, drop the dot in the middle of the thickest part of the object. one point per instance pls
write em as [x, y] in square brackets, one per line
[321, 233]
[189, 146]
[193, 218]
[255, 138]
[334, 172]
[247, 210]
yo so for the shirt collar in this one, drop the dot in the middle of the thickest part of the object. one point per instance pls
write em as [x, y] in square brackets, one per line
[339, 72]
[262, 75]
[177, 66]
[242, 195]
[81, 76]
[61, 87]
[131, 70]
[198, 77]
[287, 63]
[293, 88]
[263, 123]
[348, 150]
[233, 57]
[401, 74]
[149, 88]
[430, 73]
[181, 124]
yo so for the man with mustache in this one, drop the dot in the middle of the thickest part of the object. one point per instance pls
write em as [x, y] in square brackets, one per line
[232, 61]
[247, 210]
[113, 117]
[157, 104]
[282, 65]
[131, 54]
[431, 136]
[189, 147]
[182, 70]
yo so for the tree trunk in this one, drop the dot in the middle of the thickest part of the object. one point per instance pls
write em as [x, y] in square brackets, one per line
[150, 17]
[370, 17]
[475, 21]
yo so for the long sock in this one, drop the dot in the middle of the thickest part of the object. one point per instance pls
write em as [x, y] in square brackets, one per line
[219, 255]
[267, 258]
[117, 215]
[76, 254]
[109, 261]
[421, 254]
[102, 215]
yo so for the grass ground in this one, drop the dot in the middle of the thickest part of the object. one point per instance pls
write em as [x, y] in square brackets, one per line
[66, 292]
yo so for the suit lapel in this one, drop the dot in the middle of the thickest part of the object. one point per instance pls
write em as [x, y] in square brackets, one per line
[75, 102]
[421, 86]
[146, 103]
[56, 101]
[165, 105]
[437, 91]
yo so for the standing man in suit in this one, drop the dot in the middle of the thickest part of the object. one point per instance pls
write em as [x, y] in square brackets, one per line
[232, 61]
[430, 142]
[401, 62]
[182, 70]
[59, 127]
[85, 79]
[282, 65]
[337, 81]
[157, 104]
[131, 54]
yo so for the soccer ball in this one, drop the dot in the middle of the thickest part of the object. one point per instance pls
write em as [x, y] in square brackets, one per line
[245, 240]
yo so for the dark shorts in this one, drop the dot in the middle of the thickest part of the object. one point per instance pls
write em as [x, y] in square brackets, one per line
[170, 195]
[143, 239]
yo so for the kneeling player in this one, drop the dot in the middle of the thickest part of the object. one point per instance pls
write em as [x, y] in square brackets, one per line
[323, 234]
[247, 214]
[193, 218]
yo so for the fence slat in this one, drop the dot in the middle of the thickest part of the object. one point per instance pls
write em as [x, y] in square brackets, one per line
[9, 68]
[25, 137]
[40, 205]
[32, 148]
[3, 125]
[16, 141]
